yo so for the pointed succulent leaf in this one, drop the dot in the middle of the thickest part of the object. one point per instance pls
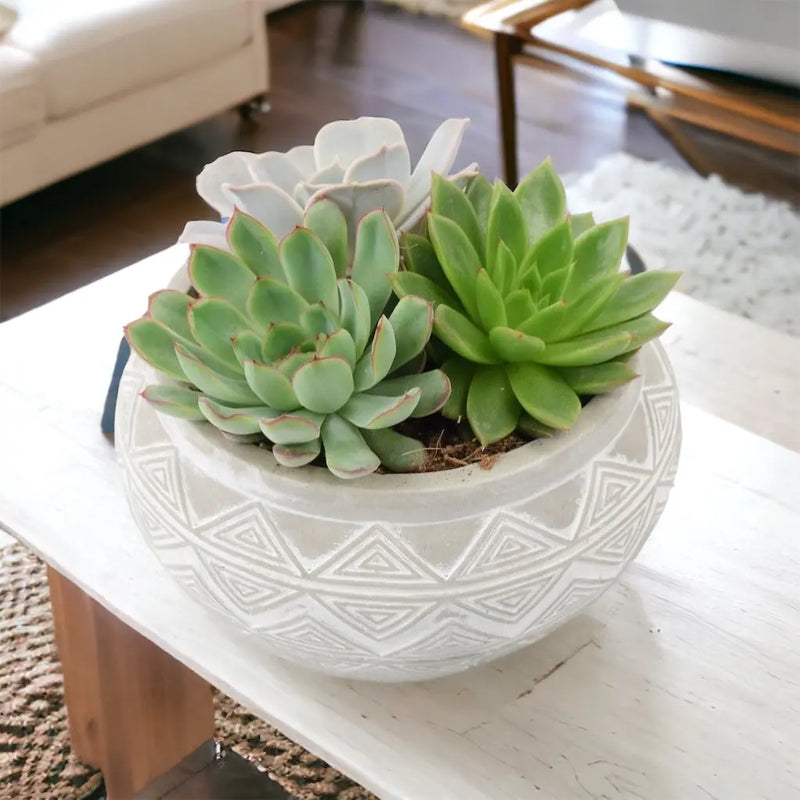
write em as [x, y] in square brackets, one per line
[438, 157]
[643, 329]
[543, 200]
[555, 284]
[215, 323]
[597, 378]
[434, 387]
[155, 343]
[419, 257]
[217, 386]
[171, 308]
[323, 385]
[290, 428]
[297, 455]
[326, 220]
[376, 362]
[459, 372]
[519, 308]
[462, 336]
[271, 386]
[388, 161]
[533, 427]
[579, 223]
[279, 340]
[396, 452]
[513, 345]
[545, 395]
[358, 200]
[590, 348]
[637, 295]
[238, 421]
[546, 322]
[491, 309]
[354, 313]
[460, 263]
[255, 245]
[177, 401]
[587, 305]
[340, 343]
[291, 363]
[505, 269]
[448, 201]
[268, 203]
[375, 411]
[247, 344]
[376, 256]
[599, 250]
[316, 320]
[412, 323]
[271, 301]
[216, 273]
[479, 194]
[553, 251]
[309, 268]
[492, 407]
[347, 455]
[409, 284]
[506, 224]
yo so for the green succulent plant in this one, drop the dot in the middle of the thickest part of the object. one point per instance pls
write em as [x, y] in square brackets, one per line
[531, 309]
[289, 341]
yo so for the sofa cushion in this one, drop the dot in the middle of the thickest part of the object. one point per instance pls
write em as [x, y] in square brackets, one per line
[21, 96]
[92, 50]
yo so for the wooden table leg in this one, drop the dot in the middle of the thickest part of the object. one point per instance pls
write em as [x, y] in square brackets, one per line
[134, 711]
[505, 48]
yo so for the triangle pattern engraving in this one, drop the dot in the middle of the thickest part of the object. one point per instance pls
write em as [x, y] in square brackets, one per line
[623, 539]
[613, 488]
[247, 534]
[508, 542]
[158, 470]
[306, 635]
[375, 617]
[245, 591]
[661, 408]
[511, 603]
[374, 555]
[453, 640]
[578, 593]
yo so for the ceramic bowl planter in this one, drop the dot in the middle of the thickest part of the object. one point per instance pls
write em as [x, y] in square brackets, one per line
[404, 577]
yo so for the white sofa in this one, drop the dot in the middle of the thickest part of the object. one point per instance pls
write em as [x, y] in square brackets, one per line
[85, 80]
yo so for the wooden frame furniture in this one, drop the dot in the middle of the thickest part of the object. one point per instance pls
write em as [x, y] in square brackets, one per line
[677, 683]
[524, 33]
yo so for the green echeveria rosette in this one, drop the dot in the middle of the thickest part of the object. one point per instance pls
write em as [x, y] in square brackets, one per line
[532, 310]
[288, 340]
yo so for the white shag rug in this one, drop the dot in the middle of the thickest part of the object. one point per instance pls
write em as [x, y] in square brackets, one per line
[736, 251]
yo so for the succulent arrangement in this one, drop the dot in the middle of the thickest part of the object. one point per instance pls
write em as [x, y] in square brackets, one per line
[312, 327]
[531, 306]
[288, 340]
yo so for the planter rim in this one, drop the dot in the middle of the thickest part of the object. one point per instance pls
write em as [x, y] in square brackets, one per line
[408, 497]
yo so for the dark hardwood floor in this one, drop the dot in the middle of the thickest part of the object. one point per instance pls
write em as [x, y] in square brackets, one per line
[330, 60]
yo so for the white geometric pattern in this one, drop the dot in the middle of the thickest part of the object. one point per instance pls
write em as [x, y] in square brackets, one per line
[375, 602]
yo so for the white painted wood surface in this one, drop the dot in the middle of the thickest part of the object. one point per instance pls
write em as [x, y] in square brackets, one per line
[682, 682]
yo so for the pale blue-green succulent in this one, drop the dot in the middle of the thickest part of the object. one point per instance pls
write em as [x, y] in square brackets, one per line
[288, 340]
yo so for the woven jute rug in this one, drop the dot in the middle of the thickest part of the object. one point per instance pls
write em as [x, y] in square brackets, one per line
[35, 758]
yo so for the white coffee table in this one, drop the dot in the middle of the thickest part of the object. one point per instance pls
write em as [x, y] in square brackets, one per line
[681, 682]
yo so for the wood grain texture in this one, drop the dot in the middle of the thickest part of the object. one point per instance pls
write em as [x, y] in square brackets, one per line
[134, 711]
[681, 682]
